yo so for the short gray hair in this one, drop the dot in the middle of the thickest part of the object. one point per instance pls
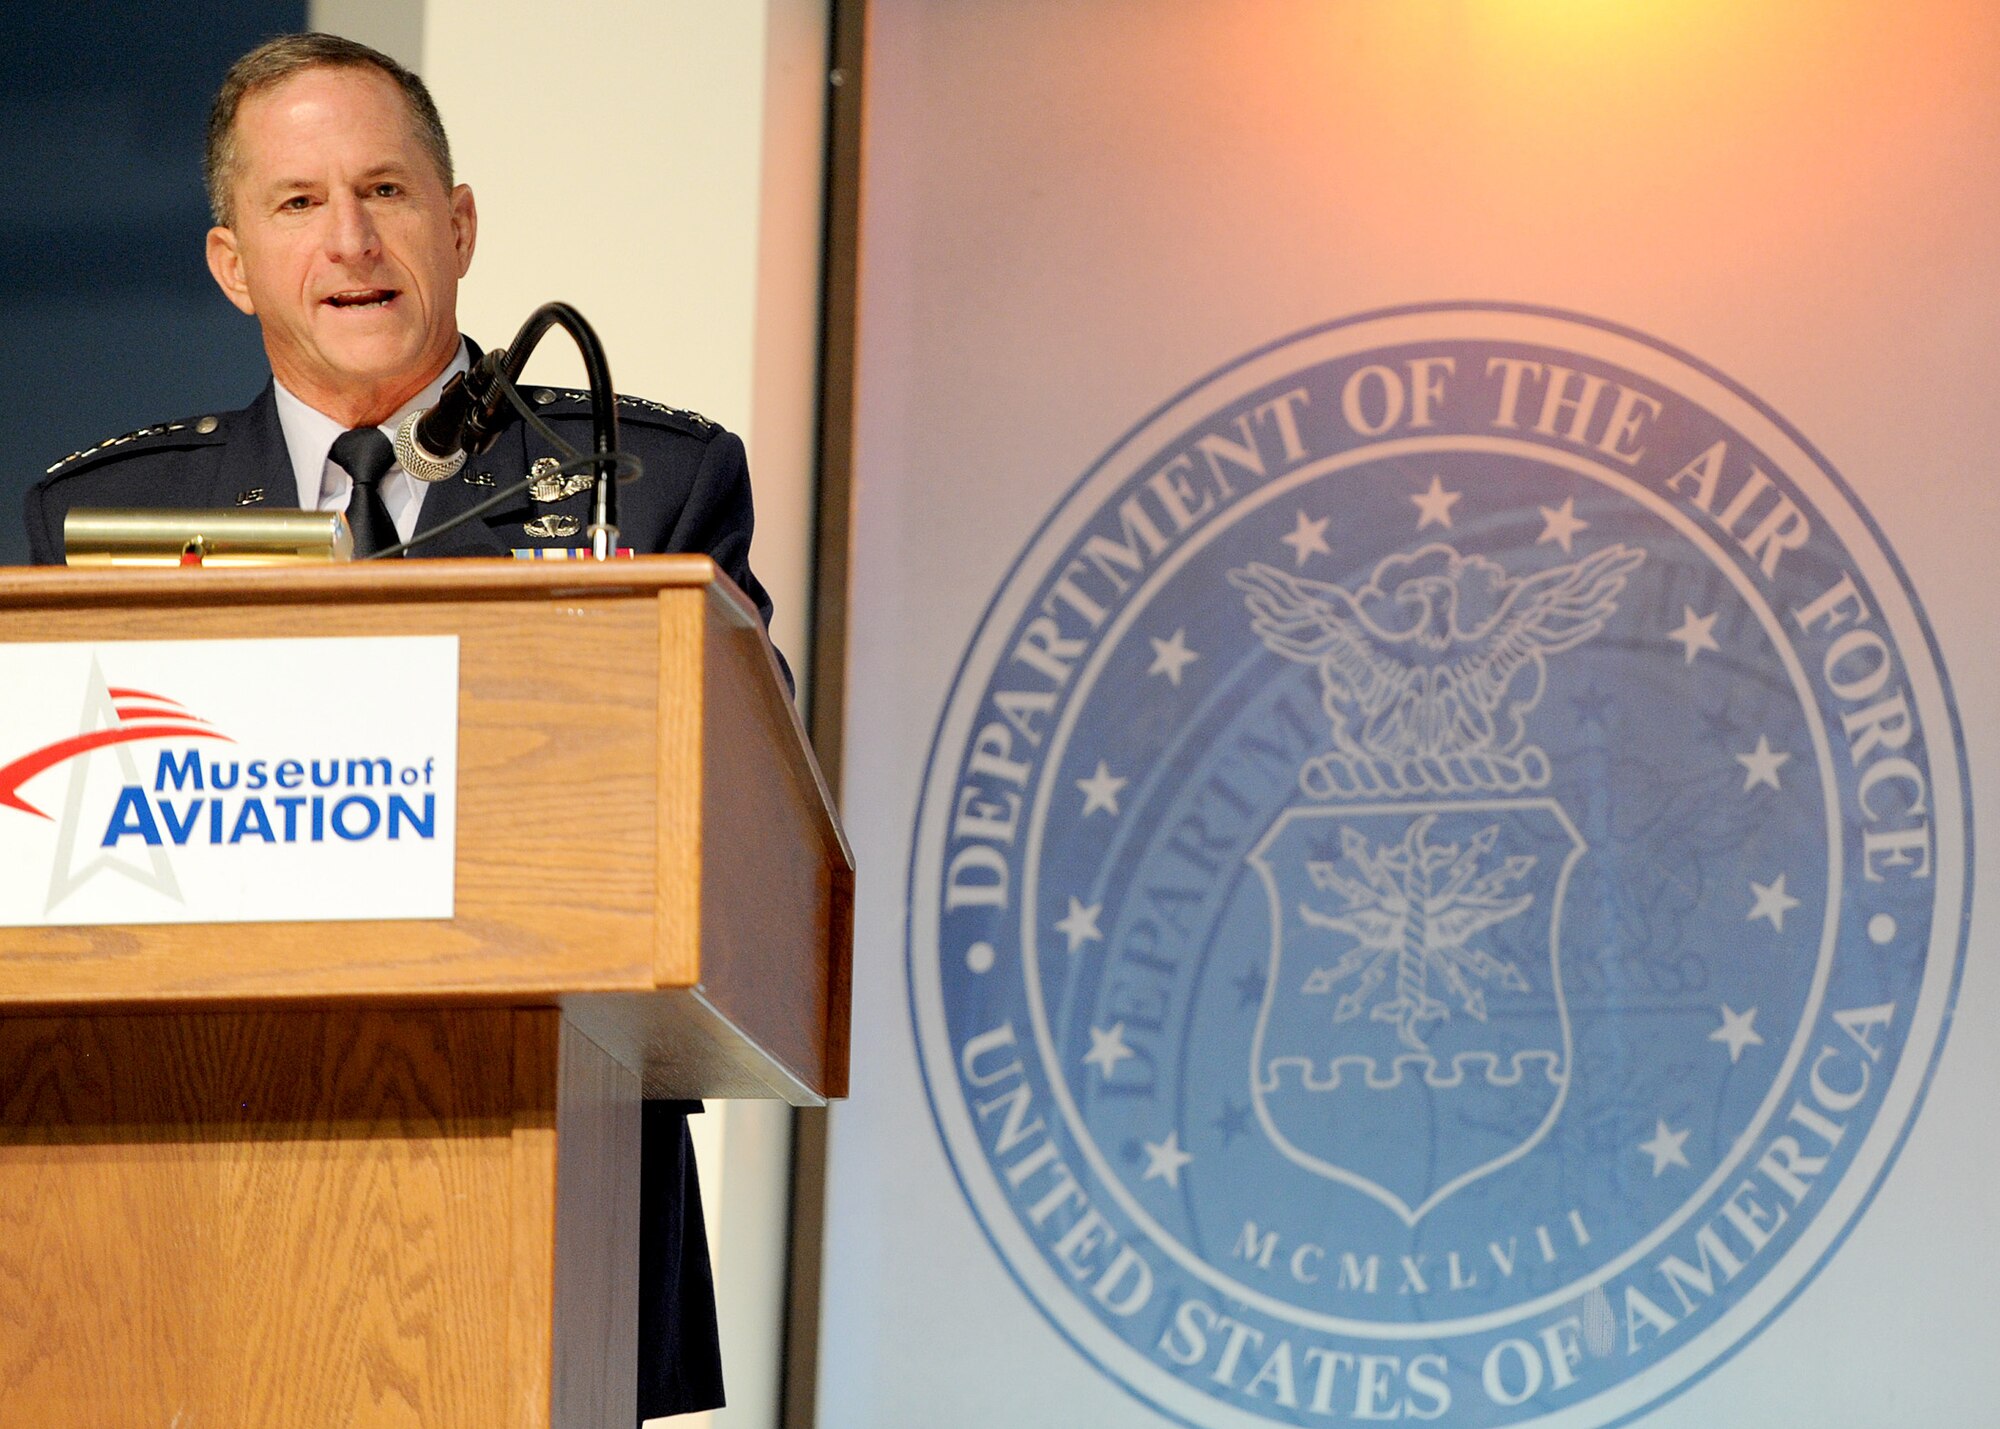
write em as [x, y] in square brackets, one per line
[276, 61]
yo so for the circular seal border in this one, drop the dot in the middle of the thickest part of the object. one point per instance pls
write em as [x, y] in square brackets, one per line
[1903, 1100]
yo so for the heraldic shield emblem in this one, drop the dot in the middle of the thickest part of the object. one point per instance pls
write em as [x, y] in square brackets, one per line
[1440, 882]
[1413, 1036]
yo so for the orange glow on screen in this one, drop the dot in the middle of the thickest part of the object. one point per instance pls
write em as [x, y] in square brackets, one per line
[1712, 138]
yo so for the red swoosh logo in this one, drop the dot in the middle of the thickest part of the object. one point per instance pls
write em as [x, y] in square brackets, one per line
[14, 775]
[136, 714]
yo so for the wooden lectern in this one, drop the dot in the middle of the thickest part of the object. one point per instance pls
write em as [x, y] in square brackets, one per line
[291, 1175]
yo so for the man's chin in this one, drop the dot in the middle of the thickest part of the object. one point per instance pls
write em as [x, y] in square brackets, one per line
[389, 358]
[367, 378]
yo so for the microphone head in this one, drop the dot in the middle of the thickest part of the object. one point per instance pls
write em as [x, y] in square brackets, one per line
[418, 462]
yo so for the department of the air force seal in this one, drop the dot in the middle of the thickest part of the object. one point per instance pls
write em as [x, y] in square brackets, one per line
[1440, 883]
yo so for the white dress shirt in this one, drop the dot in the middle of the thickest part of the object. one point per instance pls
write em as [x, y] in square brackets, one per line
[310, 435]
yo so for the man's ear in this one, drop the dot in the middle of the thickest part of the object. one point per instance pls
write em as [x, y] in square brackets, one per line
[225, 265]
[464, 226]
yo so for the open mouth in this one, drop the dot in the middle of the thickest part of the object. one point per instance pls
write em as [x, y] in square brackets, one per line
[362, 298]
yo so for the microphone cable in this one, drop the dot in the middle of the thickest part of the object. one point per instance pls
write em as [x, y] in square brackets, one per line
[628, 468]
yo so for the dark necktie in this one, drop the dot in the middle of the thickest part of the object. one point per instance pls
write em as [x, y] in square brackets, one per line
[365, 455]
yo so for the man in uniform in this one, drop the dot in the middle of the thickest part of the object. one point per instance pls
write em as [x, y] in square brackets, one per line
[339, 227]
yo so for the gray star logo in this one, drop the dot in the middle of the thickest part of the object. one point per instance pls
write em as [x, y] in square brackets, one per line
[100, 711]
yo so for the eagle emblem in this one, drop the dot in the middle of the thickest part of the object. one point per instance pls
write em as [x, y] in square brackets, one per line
[1430, 668]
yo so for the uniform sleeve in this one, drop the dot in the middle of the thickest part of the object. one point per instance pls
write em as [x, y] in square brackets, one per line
[44, 541]
[717, 522]
[717, 519]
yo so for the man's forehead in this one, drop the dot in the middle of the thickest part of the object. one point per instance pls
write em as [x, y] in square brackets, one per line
[319, 105]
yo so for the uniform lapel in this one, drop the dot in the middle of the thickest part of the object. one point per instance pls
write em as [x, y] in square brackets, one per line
[448, 498]
[254, 459]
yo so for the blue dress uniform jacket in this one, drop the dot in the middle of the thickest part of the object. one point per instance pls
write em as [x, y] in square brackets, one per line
[694, 496]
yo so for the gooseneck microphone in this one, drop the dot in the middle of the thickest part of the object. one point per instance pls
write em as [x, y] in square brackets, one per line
[415, 455]
[479, 403]
[433, 444]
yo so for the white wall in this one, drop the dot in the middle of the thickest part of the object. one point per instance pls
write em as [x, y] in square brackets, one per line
[658, 165]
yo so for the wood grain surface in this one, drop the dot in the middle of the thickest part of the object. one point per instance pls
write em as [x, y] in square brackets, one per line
[595, 1349]
[29, 588]
[757, 899]
[263, 1219]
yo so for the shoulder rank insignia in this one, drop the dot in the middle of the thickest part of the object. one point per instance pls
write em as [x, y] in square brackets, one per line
[109, 442]
[547, 396]
[643, 404]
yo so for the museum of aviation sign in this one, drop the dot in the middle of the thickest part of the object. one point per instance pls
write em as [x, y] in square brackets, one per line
[228, 781]
[1440, 883]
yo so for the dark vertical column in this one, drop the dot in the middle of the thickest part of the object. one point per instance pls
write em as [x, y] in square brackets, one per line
[108, 318]
[839, 303]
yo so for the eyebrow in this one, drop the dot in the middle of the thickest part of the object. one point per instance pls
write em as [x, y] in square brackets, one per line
[379, 171]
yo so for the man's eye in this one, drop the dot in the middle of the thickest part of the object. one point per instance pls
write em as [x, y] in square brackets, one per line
[387, 190]
[296, 203]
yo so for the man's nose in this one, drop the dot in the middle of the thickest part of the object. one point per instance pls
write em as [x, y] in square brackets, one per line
[351, 234]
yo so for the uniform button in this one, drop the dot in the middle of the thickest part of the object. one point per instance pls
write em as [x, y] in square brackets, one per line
[206, 425]
[544, 397]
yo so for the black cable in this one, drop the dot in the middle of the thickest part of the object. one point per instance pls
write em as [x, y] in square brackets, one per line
[476, 420]
[603, 524]
[629, 468]
[541, 428]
